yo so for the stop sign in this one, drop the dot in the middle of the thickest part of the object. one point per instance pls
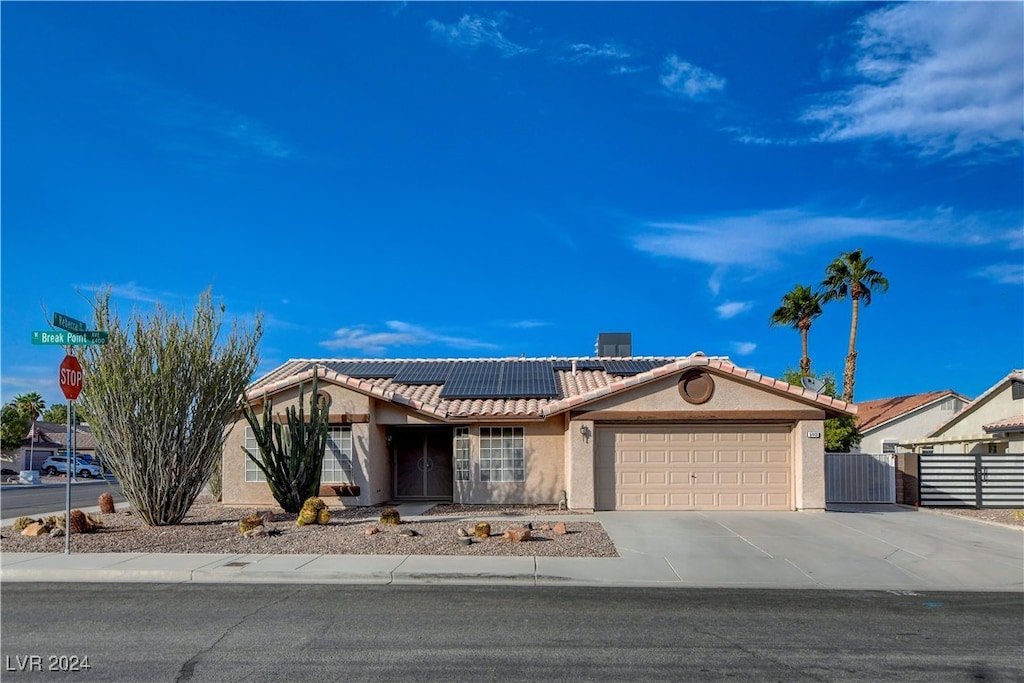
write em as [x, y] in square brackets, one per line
[70, 378]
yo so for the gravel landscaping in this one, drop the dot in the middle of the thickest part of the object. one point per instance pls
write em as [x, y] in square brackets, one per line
[213, 528]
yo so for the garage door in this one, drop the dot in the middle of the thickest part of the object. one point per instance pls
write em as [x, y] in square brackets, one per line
[715, 467]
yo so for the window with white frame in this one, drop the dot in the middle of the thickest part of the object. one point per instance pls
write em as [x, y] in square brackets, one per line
[337, 467]
[502, 454]
[889, 446]
[462, 454]
[252, 472]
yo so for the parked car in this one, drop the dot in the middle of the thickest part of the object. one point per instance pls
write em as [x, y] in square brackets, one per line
[58, 464]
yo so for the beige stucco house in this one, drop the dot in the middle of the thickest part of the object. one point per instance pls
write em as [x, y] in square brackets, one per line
[993, 423]
[638, 433]
[886, 422]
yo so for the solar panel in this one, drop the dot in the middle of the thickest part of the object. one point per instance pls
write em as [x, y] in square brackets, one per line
[566, 364]
[629, 367]
[366, 370]
[419, 372]
[527, 379]
[474, 379]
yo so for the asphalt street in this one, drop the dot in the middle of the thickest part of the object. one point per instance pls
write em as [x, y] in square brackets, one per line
[18, 501]
[178, 632]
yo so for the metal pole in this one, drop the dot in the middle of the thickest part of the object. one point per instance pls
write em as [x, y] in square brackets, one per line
[67, 488]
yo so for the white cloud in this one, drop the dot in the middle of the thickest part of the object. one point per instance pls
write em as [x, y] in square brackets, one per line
[731, 309]
[759, 240]
[581, 53]
[946, 78]
[472, 31]
[399, 334]
[686, 80]
[744, 348]
[1003, 273]
[130, 291]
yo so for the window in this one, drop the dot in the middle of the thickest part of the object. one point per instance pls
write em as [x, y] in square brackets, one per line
[927, 450]
[951, 405]
[337, 467]
[501, 454]
[993, 449]
[462, 454]
[252, 473]
[889, 446]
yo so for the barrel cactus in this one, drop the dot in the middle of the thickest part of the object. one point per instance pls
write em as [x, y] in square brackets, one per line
[106, 503]
[482, 530]
[82, 523]
[313, 511]
[23, 522]
[390, 516]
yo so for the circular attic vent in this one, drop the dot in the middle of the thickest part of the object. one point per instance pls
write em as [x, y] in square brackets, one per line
[696, 387]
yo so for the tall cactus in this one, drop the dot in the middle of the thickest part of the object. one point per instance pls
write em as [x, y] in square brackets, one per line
[291, 454]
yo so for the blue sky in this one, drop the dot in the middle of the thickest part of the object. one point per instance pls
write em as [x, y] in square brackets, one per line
[449, 180]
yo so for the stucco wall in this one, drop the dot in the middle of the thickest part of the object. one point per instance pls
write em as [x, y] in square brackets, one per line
[914, 425]
[366, 442]
[544, 468]
[729, 394]
[809, 465]
[998, 406]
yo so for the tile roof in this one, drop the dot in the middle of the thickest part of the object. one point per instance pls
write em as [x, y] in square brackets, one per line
[871, 414]
[1008, 424]
[573, 388]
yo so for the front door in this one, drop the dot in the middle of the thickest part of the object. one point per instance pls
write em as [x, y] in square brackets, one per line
[423, 462]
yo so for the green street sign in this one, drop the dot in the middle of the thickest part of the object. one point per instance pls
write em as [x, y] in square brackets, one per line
[68, 323]
[65, 338]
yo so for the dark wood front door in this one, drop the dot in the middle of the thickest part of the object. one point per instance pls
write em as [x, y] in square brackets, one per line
[423, 463]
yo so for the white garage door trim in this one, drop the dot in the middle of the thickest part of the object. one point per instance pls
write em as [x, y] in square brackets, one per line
[694, 467]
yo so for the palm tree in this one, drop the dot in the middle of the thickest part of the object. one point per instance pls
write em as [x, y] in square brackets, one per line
[799, 308]
[851, 275]
[31, 405]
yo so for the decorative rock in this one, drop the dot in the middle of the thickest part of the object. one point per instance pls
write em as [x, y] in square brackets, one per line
[466, 540]
[371, 531]
[559, 528]
[256, 532]
[462, 533]
[545, 527]
[35, 529]
[408, 532]
[516, 534]
[267, 516]
[56, 533]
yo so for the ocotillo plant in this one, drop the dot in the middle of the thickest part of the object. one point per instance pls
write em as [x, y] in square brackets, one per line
[291, 454]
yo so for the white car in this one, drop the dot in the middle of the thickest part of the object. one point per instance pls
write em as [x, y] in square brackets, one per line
[58, 464]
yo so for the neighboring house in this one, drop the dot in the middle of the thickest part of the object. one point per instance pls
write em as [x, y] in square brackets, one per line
[636, 433]
[887, 422]
[993, 423]
[46, 438]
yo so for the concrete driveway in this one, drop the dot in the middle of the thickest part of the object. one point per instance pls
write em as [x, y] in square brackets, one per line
[885, 547]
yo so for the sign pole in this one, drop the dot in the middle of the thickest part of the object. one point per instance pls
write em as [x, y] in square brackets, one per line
[67, 485]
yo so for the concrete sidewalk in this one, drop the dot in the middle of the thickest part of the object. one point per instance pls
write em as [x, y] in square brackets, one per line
[853, 547]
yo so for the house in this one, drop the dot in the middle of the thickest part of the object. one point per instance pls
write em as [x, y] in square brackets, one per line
[993, 423]
[46, 438]
[976, 457]
[885, 422]
[626, 433]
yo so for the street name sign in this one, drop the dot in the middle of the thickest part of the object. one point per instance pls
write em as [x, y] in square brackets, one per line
[68, 323]
[65, 338]
[70, 379]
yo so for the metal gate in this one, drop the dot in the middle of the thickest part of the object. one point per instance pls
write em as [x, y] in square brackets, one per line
[860, 478]
[981, 481]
